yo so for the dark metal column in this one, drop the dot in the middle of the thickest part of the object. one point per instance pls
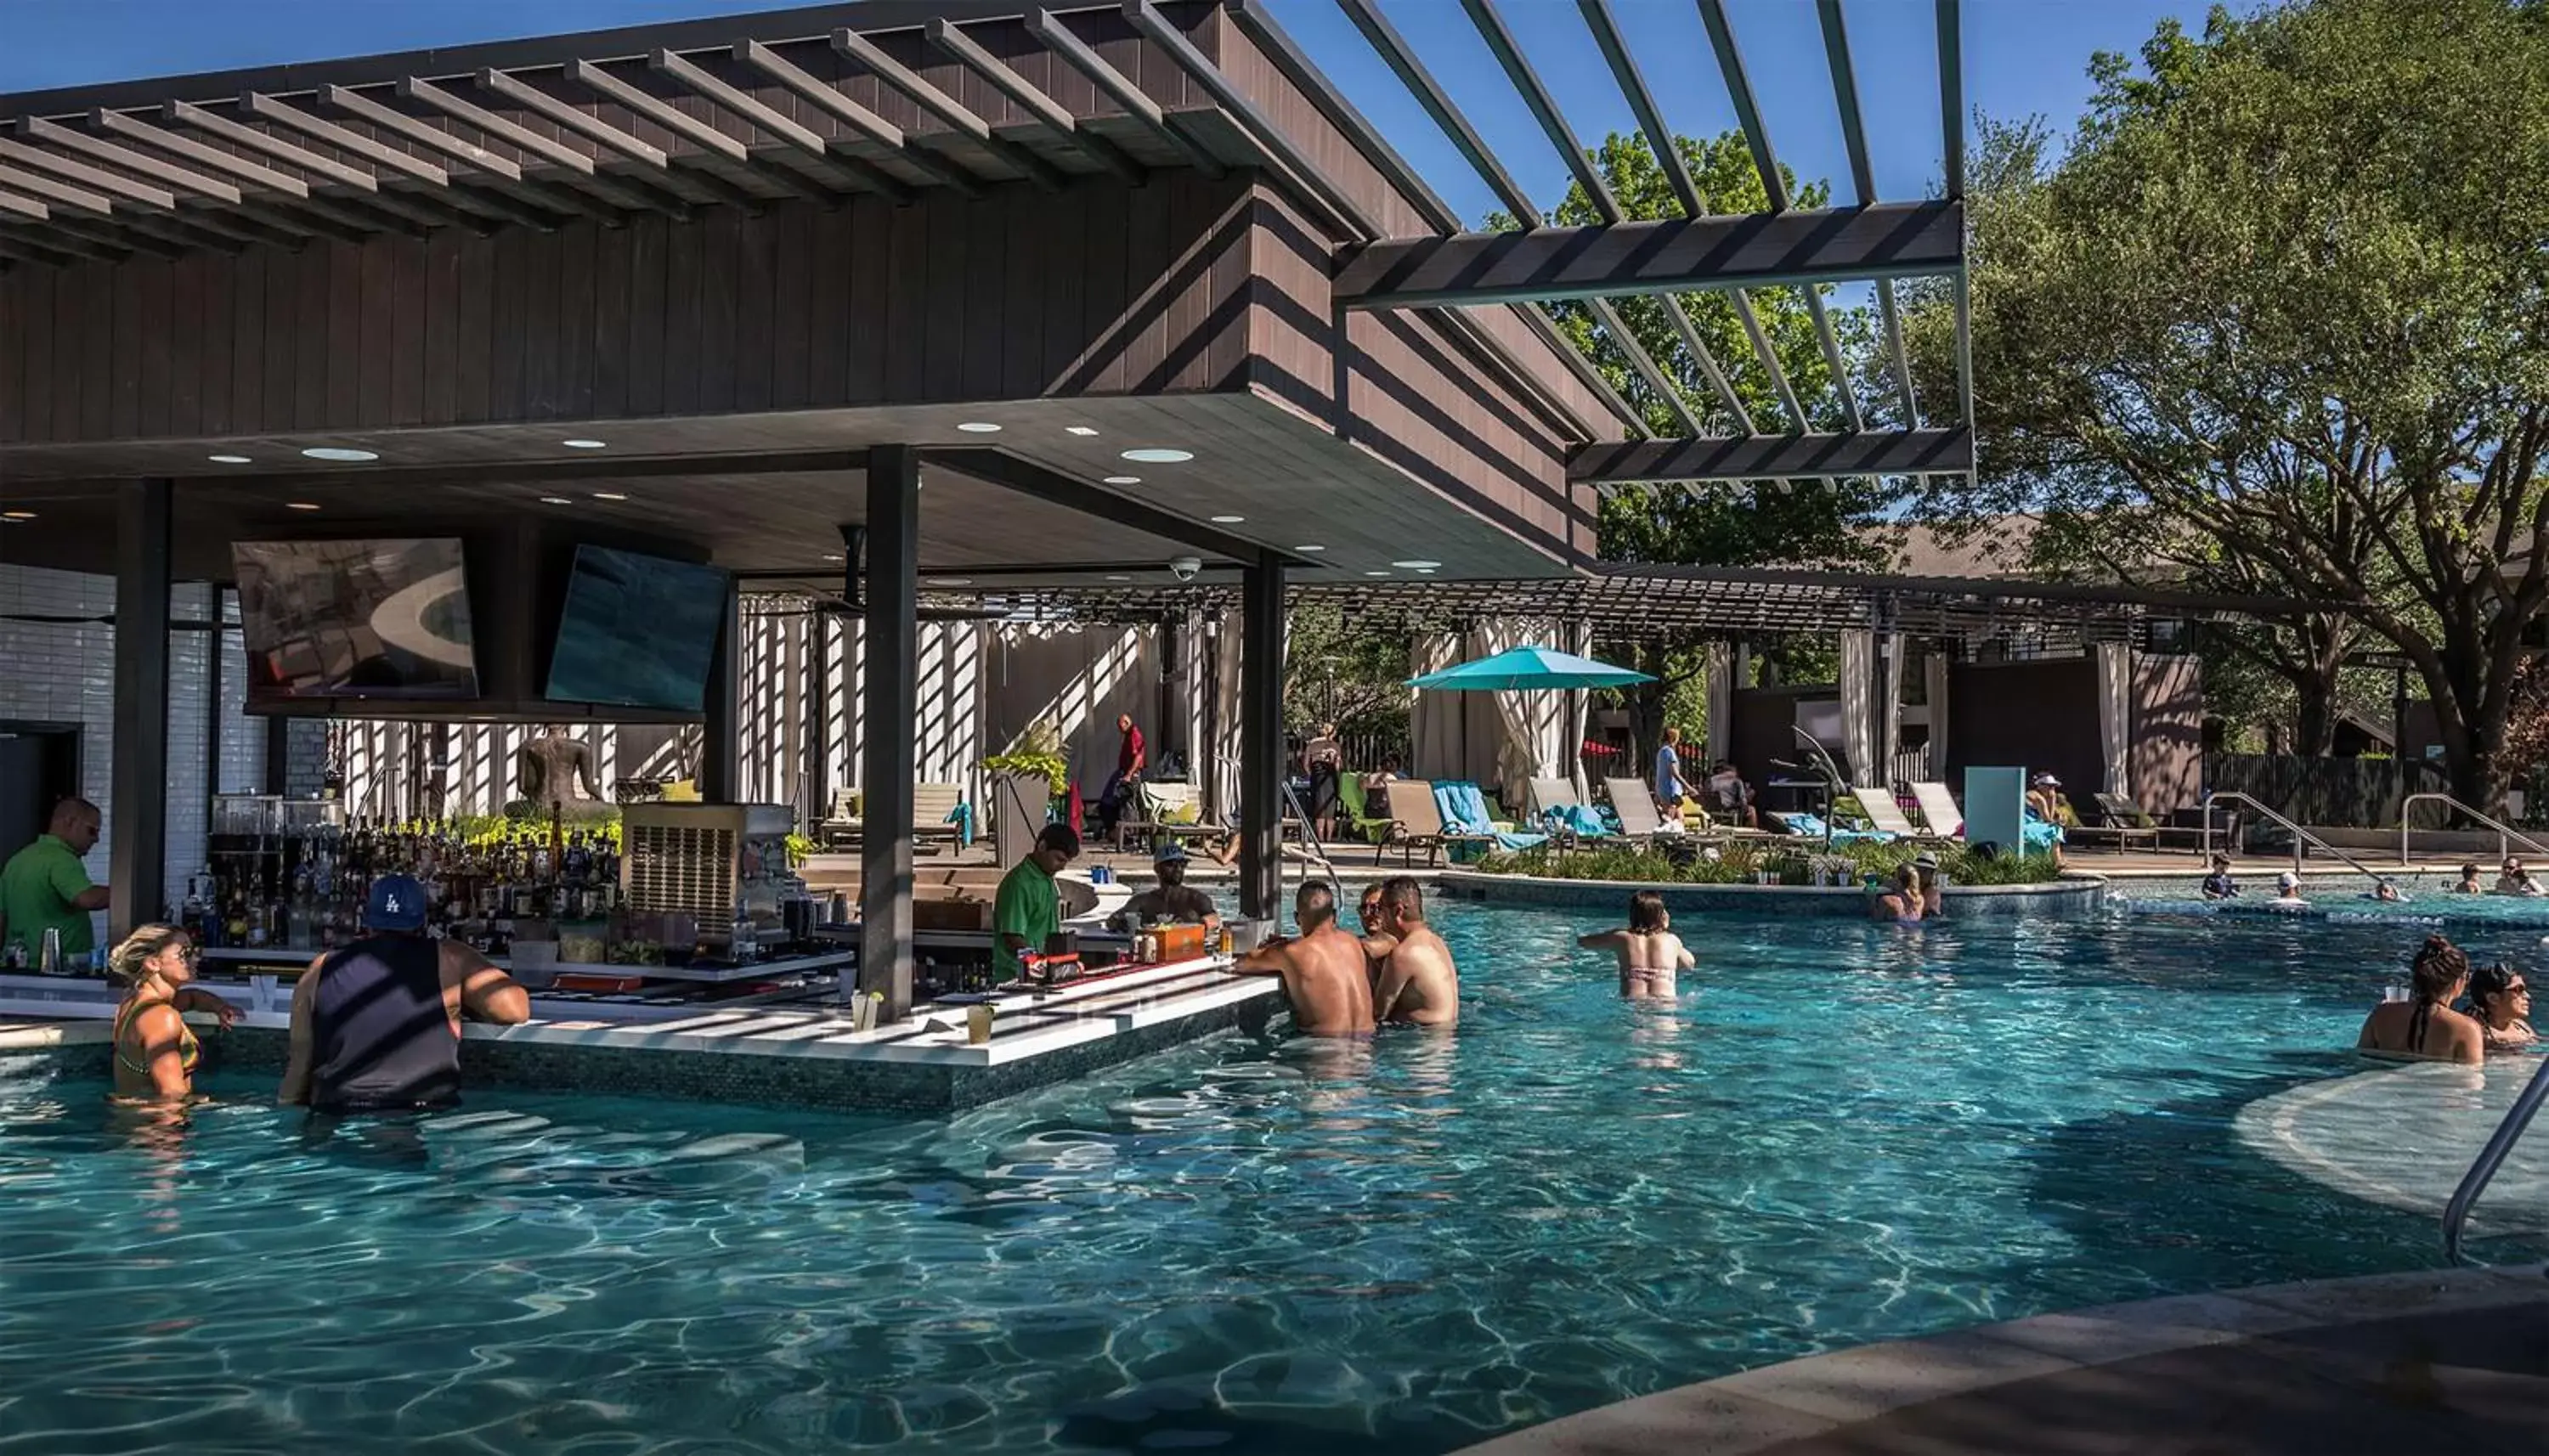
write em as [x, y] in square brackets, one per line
[891, 704]
[1260, 738]
[138, 827]
[721, 736]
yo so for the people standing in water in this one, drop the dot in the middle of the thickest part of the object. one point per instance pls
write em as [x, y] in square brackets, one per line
[1650, 953]
[2470, 883]
[1377, 943]
[2218, 886]
[2500, 1002]
[1900, 901]
[376, 1025]
[2426, 1024]
[2288, 890]
[154, 1050]
[1933, 892]
[2514, 880]
[1323, 969]
[1419, 984]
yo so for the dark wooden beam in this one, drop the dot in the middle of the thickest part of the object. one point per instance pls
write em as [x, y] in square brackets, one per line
[1261, 739]
[946, 107]
[37, 128]
[1759, 457]
[889, 701]
[1123, 90]
[1623, 259]
[1056, 117]
[809, 151]
[579, 168]
[823, 96]
[95, 179]
[1044, 483]
[139, 805]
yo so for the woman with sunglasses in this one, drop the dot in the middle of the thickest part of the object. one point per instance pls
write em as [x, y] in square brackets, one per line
[2502, 1002]
[154, 1050]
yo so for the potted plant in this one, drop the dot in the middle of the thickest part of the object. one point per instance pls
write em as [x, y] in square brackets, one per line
[1022, 785]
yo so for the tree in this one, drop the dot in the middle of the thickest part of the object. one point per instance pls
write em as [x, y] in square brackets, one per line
[1754, 523]
[1348, 672]
[2282, 310]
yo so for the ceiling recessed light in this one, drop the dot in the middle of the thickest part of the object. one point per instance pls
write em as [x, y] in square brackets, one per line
[1376, 574]
[16, 515]
[978, 427]
[555, 501]
[951, 581]
[609, 496]
[1123, 480]
[1119, 579]
[1309, 548]
[300, 504]
[1159, 457]
[1416, 566]
[1228, 520]
[834, 556]
[229, 460]
[333, 452]
[584, 445]
[1078, 429]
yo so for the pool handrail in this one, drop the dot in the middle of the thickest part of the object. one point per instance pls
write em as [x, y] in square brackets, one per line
[2301, 836]
[1312, 849]
[2506, 834]
[2482, 1168]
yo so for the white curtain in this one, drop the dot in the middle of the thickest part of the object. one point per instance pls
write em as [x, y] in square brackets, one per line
[1858, 708]
[1579, 714]
[1225, 698]
[2114, 715]
[1935, 679]
[1889, 720]
[1435, 740]
[1721, 702]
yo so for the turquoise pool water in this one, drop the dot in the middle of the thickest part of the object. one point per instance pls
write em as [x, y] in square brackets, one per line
[1842, 1134]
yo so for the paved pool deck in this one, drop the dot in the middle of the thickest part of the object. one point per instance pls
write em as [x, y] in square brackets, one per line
[2435, 1361]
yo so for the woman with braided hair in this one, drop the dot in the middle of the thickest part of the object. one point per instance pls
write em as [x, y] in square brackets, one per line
[2425, 1024]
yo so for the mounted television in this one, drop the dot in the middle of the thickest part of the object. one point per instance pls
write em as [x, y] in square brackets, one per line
[637, 631]
[378, 618]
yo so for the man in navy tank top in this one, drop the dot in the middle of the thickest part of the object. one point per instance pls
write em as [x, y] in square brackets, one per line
[376, 1025]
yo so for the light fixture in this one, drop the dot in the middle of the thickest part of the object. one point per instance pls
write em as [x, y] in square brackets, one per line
[300, 504]
[16, 515]
[1123, 480]
[978, 427]
[1416, 566]
[584, 445]
[834, 556]
[1119, 579]
[229, 460]
[555, 501]
[1309, 548]
[1376, 574]
[1228, 520]
[951, 581]
[337, 453]
[1158, 456]
[1078, 429]
[609, 496]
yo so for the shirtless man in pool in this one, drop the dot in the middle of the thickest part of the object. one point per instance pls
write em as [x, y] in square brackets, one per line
[1419, 984]
[1322, 967]
[1649, 952]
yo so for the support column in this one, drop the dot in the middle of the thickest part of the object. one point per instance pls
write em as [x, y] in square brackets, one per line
[892, 705]
[138, 827]
[721, 735]
[1261, 739]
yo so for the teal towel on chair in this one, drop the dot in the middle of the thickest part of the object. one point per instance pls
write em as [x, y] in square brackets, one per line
[1811, 826]
[1464, 811]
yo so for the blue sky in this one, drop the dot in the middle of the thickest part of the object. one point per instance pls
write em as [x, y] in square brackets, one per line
[2021, 57]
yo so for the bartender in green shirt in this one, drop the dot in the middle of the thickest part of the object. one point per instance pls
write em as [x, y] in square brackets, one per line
[45, 887]
[1028, 909]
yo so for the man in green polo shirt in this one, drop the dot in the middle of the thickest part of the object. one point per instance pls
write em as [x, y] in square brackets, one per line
[45, 887]
[1028, 909]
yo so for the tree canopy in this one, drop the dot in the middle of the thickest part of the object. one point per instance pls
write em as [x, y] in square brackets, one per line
[2278, 318]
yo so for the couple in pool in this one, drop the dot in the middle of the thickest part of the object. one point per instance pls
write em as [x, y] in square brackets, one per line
[1342, 984]
[2428, 1025]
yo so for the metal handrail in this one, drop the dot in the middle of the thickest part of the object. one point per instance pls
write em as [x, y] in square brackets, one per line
[2490, 1158]
[2505, 834]
[1314, 849]
[2301, 836]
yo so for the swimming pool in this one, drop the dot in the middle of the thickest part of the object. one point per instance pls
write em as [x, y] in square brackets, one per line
[1842, 1134]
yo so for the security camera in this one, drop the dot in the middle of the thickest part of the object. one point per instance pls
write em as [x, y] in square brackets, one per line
[1185, 568]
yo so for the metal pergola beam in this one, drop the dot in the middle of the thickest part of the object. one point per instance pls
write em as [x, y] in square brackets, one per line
[1795, 456]
[580, 170]
[1055, 117]
[947, 108]
[1124, 91]
[1627, 259]
[1862, 179]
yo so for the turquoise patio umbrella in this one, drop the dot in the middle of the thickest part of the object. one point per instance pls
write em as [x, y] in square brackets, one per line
[1521, 669]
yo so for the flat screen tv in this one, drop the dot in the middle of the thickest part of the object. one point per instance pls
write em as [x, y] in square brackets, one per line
[381, 618]
[637, 631]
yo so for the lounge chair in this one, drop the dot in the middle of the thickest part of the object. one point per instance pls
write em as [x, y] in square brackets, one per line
[1559, 809]
[1415, 822]
[1466, 816]
[2124, 819]
[1363, 825]
[939, 813]
[1812, 826]
[1882, 813]
[1634, 804]
[1939, 808]
[1163, 811]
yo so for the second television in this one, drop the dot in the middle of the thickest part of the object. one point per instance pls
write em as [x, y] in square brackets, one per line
[637, 631]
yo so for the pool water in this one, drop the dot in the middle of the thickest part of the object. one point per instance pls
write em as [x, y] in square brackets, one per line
[1839, 1134]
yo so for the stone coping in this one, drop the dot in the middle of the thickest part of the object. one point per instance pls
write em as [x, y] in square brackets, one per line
[1818, 1404]
[2073, 894]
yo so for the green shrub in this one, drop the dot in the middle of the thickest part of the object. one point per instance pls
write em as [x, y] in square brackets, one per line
[1739, 862]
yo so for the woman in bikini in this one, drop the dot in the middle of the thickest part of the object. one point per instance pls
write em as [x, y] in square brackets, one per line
[2426, 1026]
[154, 1050]
[2501, 999]
[1649, 952]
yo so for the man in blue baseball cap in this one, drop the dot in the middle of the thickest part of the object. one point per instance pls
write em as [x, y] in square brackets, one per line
[376, 1025]
[1174, 900]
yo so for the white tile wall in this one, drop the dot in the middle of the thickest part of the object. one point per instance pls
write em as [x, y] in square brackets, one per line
[63, 669]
